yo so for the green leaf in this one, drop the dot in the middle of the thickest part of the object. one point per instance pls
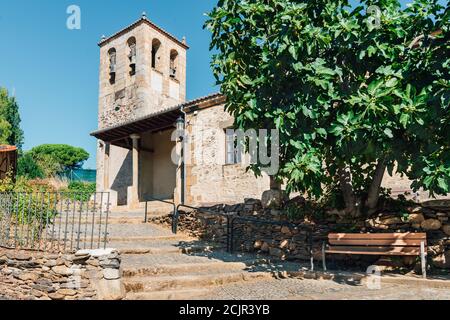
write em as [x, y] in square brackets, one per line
[322, 132]
[388, 132]
[391, 82]
[246, 80]
[442, 183]
[404, 119]
[293, 52]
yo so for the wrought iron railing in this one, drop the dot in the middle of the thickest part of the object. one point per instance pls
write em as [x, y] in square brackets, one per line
[150, 199]
[54, 222]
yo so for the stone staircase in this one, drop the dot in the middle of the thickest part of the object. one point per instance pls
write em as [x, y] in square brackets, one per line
[158, 265]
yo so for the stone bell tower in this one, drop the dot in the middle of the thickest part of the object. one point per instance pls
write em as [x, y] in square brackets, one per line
[142, 73]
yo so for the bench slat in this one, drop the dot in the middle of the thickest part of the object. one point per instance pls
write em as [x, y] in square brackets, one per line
[381, 250]
[365, 236]
[377, 242]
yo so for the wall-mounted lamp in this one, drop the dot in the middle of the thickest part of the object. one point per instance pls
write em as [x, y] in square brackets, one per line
[180, 127]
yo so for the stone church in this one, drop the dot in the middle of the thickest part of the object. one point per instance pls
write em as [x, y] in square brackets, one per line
[142, 102]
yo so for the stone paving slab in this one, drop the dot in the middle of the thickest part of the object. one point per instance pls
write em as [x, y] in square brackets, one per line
[152, 260]
[136, 230]
[296, 289]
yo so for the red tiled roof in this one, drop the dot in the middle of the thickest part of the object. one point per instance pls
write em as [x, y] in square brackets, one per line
[6, 148]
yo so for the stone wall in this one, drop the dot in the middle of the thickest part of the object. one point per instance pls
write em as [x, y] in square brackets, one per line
[85, 275]
[209, 180]
[290, 243]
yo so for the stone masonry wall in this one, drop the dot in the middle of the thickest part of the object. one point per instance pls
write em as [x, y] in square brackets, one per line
[289, 243]
[209, 180]
[85, 275]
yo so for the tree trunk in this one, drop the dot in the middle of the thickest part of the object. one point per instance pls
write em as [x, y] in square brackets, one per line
[345, 180]
[274, 185]
[374, 190]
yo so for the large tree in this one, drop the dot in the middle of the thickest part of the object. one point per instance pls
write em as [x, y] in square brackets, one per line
[11, 132]
[354, 90]
[67, 157]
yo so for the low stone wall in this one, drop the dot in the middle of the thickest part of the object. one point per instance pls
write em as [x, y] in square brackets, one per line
[289, 243]
[85, 275]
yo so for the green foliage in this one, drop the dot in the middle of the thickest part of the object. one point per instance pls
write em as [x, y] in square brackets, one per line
[342, 92]
[39, 164]
[5, 131]
[11, 133]
[28, 168]
[38, 208]
[48, 165]
[81, 191]
[7, 184]
[33, 201]
[67, 157]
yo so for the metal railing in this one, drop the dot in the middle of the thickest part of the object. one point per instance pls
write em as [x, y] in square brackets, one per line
[54, 221]
[157, 200]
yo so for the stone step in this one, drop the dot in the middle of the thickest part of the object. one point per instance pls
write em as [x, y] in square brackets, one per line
[176, 258]
[151, 205]
[190, 281]
[180, 268]
[97, 221]
[112, 220]
[128, 230]
[161, 247]
[112, 239]
[196, 294]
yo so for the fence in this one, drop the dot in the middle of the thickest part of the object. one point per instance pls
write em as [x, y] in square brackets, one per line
[54, 222]
[83, 175]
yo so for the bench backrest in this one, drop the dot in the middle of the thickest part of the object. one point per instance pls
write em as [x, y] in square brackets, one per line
[377, 239]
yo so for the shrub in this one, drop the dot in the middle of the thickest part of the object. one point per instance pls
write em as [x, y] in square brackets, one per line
[81, 191]
[7, 184]
[30, 202]
[48, 165]
[28, 167]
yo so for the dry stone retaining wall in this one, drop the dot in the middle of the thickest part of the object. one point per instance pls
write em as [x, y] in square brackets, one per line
[85, 275]
[292, 243]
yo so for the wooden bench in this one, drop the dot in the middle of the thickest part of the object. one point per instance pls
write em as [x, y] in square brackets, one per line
[382, 244]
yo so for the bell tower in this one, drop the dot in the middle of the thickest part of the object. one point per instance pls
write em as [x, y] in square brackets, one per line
[142, 71]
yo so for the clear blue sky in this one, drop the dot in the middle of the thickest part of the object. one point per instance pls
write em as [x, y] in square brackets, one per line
[54, 71]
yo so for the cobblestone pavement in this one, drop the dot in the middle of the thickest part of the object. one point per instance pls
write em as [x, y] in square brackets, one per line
[296, 289]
